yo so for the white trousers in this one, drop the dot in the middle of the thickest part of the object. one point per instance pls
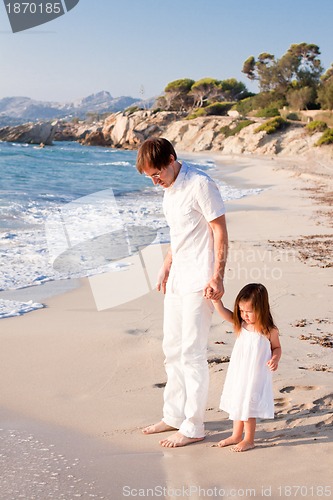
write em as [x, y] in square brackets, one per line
[187, 321]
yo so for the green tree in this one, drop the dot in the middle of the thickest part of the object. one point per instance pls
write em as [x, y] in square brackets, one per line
[205, 89]
[232, 90]
[299, 67]
[325, 90]
[302, 64]
[261, 70]
[177, 94]
[186, 94]
[249, 68]
[299, 99]
[328, 75]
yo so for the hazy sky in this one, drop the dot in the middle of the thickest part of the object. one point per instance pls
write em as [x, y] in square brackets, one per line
[124, 45]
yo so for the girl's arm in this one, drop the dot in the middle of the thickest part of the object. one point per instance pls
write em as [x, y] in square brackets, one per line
[223, 311]
[273, 363]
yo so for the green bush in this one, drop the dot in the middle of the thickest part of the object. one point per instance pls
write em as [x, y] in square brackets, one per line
[198, 112]
[218, 108]
[316, 126]
[228, 132]
[262, 101]
[268, 112]
[245, 106]
[273, 125]
[215, 108]
[293, 117]
[269, 100]
[326, 138]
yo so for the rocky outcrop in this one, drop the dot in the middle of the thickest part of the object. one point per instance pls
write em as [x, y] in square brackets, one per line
[30, 133]
[95, 138]
[205, 134]
[78, 131]
[128, 130]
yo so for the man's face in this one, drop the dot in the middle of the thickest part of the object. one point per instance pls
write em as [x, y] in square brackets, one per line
[164, 177]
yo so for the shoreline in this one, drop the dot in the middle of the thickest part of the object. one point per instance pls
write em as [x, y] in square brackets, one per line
[25, 254]
[38, 293]
[71, 373]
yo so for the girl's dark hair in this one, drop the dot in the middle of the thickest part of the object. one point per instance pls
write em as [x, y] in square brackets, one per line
[155, 152]
[257, 294]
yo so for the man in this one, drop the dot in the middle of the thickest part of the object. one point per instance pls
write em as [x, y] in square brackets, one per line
[191, 275]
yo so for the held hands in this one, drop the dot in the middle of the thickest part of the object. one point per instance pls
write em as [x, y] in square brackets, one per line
[214, 289]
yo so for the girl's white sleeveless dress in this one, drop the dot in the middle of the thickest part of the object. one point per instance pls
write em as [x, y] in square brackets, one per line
[248, 388]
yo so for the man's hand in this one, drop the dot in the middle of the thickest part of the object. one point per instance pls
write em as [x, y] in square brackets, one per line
[164, 272]
[162, 279]
[214, 289]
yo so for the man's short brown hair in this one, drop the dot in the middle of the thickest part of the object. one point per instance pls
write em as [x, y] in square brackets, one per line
[155, 152]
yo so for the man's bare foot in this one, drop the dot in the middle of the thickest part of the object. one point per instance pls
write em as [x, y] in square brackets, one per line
[159, 427]
[243, 446]
[227, 442]
[177, 440]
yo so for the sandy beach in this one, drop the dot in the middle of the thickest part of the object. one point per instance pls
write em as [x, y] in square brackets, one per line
[78, 384]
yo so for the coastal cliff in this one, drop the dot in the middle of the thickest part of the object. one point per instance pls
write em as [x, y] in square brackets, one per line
[128, 131]
[210, 133]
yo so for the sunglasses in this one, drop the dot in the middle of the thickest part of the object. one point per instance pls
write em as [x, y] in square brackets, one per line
[154, 176]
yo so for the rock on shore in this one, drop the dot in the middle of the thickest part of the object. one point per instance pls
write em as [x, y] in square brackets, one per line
[30, 133]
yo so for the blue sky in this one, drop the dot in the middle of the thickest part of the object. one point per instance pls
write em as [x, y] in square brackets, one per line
[124, 45]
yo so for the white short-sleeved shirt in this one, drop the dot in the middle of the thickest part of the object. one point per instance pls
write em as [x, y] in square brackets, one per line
[189, 205]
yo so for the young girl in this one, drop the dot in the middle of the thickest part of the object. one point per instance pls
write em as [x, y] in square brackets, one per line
[248, 392]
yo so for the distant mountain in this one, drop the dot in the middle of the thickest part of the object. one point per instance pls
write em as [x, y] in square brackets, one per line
[17, 110]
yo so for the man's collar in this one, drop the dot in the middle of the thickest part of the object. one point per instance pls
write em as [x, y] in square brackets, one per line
[181, 175]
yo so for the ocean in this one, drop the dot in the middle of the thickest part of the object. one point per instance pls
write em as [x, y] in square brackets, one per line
[64, 211]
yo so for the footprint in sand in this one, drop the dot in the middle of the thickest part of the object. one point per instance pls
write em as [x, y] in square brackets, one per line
[284, 404]
[159, 385]
[291, 388]
[288, 389]
[298, 408]
[319, 409]
[326, 401]
[326, 421]
[281, 402]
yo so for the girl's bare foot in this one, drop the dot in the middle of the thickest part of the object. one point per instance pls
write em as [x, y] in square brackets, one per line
[159, 427]
[177, 440]
[243, 446]
[227, 442]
